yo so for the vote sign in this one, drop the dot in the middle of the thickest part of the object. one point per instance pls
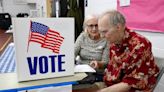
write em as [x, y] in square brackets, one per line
[44, 47]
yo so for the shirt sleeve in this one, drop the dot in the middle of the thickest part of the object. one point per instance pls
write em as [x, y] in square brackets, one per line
[78, 44]
[105, 55]
[140, 71]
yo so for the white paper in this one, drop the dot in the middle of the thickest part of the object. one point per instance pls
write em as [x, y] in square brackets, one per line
[83, 68]
[124, 2]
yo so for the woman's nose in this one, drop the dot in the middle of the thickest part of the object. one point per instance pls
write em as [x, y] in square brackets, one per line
[94, 28]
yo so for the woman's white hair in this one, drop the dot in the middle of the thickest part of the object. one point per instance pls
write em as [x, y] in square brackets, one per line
[88, 17]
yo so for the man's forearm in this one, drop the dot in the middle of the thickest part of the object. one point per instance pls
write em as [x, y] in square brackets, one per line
[120, 87]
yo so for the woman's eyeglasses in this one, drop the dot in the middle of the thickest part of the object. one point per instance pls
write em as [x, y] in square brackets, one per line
[92, 26]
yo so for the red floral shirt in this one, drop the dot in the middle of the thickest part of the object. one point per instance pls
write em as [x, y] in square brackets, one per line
[132, 62]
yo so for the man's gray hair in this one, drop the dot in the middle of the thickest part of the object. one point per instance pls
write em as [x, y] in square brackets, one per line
[115, 17]
[89, 17]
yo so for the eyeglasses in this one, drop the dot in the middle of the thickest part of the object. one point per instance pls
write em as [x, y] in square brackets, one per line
[92, 26]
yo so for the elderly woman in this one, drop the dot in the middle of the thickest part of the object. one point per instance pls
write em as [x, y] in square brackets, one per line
[89, 46]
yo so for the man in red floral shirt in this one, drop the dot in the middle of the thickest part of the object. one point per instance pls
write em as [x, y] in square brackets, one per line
[131, 67]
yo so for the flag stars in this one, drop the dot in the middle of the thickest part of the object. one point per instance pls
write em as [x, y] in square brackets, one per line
[39, 28]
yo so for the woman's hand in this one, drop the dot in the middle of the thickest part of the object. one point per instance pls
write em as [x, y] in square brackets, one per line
[97, 64]
[94, 64]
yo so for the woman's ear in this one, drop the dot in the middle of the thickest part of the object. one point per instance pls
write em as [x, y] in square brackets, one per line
[85, 30]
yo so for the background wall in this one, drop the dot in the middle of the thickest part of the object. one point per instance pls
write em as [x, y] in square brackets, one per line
[41, 7]
[13, 8]
[1, 9]
[98, 6]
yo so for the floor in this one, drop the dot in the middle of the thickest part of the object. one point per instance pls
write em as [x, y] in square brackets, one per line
[160, 85]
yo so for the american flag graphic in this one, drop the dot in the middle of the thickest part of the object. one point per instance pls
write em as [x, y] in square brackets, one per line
[42, 34]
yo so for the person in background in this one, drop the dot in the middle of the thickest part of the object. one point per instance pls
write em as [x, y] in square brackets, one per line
[89, 46]
[132, 66]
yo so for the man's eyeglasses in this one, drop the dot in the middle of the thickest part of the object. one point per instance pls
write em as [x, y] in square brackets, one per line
[92, 26]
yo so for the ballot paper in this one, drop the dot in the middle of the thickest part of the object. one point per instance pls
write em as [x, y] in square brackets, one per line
[83, 68]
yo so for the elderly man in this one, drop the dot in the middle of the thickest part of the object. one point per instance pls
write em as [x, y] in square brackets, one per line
[132, 67]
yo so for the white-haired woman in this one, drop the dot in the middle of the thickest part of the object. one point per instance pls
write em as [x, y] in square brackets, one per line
[90, 47]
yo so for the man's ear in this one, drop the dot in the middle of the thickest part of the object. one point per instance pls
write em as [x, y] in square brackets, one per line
[120, 26]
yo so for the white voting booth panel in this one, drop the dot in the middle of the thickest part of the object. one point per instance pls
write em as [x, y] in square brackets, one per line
[44, 47]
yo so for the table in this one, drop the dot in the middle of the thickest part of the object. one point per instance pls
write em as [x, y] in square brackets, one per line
[8, 82]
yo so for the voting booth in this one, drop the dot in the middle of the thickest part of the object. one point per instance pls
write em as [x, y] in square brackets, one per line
[44, 47]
